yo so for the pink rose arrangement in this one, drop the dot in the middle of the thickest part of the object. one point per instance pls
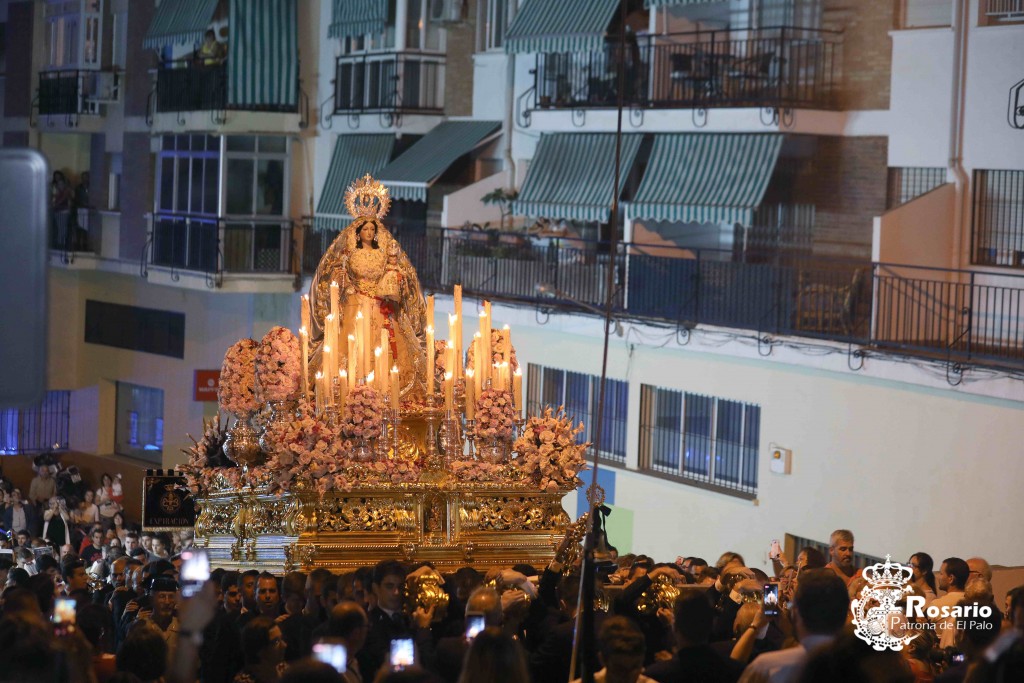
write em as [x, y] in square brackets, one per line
[547, 451]
[363, 416]
[236, 393]
[477, 470]
[495, 414]
[278, 369]
[306, 449]
[497, 341]
[202, 472]
[440, 360]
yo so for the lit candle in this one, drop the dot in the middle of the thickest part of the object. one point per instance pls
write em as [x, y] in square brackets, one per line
[430, 310]
[457, 295]
[470, 394]
[342, 387]
[326, 373]
[454, 365]
[377, 369]
[369, 379]
[319, 392]
[361, 368]
[394, 383]
[353, 375]
[478, 362]
[304, 338]
[328, 340]
[367, 340]
[335, 294]
[430, 360]
[517, 390]
[506, 334]
[495, 375]
[483, 334]
[448, 391]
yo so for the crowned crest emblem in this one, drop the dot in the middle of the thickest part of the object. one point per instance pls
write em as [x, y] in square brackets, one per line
[367, 198]
[877, 615]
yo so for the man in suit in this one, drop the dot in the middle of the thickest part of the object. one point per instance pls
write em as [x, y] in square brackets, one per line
[446, 660]
[387, 620]
[20, 516]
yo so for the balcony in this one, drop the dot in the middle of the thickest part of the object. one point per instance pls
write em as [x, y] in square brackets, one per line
[778, 68]
[390, 82]
[215, 246]
[191, 87]
[948, 315]
[73, 92]
[76, 231]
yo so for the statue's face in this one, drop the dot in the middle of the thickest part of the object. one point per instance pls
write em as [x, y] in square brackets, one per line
[367, 233]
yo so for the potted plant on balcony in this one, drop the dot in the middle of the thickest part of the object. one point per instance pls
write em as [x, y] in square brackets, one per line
[503, 198]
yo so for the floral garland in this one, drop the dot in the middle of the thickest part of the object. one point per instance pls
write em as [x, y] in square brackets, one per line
[477, 470]
[236, 392]
[203, 471]
[277, 365]
[363, 416]
[548, 454]
[304, 449]
[495, 414]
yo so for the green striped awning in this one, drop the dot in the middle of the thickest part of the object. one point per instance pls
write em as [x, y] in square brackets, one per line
[409, 176]
[180, 22]
[560, 26]
[263, 54]
[354, 156]
[572, 175]
[705, 177]
[357, 18]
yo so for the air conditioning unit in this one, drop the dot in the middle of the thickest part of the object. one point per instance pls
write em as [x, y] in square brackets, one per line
[447, 11]
[103, 86]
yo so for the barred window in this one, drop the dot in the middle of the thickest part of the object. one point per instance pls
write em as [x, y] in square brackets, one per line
[38, 428]
[139, 430]
[907, 183]
[579, 393]
[701, 440]
[998, 232]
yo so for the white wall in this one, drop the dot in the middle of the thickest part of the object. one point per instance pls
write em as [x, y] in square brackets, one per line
[921, 97]
[919, 232]
[994, 58]
[213, 321]
[892, 451]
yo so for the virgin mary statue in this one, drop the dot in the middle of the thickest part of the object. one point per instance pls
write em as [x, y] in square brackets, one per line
[375, 277]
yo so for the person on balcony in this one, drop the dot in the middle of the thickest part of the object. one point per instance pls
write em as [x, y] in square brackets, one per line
[210, 53]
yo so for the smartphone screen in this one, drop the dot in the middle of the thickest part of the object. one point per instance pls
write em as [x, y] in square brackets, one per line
[775, 552]
[334, 654]
[474, 624]
[195, 571]
[64, 611]
[403, 653]
[771, 599]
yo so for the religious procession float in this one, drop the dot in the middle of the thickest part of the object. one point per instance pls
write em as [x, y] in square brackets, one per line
[368, 436]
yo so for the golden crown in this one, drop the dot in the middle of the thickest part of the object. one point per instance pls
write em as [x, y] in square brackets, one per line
[367, 198]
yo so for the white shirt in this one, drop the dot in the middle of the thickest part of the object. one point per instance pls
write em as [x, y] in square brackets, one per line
[782, 666]
[18, 520]
[946, 628]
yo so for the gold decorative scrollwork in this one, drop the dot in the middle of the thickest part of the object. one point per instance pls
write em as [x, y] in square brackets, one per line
[515, 513]
[364, 514]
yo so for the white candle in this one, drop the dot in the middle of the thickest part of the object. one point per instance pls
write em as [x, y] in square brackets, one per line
[517, 390]
[430, 310]
[430, 360]
[342, 387]
[478, 362]
[361, 368]
[369, 379]
[326, 373]
[353, 375]
[319, 392]
[506, 344]
[304, 338]
[448, 393]
[454, 365]
[457, 295]
[470, 394]
[395, 383]
[484, 334]
[378, 371]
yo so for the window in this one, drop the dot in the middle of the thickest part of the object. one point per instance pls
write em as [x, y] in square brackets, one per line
[38, 428]
[255, 175]
[74, 33]
[134, 328]
[998, 234]
[188, 175]
[140, 422]
[579, 393]
[925, 13]
[492, 22]
[910, 183]
[701, 440]
[419, 33]
[1000, 12]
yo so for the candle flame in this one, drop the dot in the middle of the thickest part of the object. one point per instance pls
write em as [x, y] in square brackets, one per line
[394, 369]
[343, 373]
[319, 375]
[369, 378]
[452, 318]
[430, 329]
[469, 373]
[377, 351]
[351, 337]
[359, 315]
[302, 330]
[329, 317]
[334, 283]
[477, 335]
[483, 314]
[518, 372]
[327, 349]
[505, 327]
[448, 376]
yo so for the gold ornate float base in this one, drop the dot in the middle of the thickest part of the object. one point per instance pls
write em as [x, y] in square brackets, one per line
[448, 524]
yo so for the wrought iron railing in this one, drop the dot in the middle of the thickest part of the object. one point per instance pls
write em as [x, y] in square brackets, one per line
[60, 92]
[998, 226]
[221, 245]
[1004, 10]
[389, 82]
[181, 88]
[41, 427]
[782, 67]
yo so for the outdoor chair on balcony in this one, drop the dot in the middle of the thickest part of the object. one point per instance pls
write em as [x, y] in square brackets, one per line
[756, 76]
[828, 308]
[688, 78]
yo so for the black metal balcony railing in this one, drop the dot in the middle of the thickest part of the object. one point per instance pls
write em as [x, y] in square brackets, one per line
[75, 231]
[214, 246]
[191, 88]
[389, 82]
[60, 92]
[953, 315]
[782, 67]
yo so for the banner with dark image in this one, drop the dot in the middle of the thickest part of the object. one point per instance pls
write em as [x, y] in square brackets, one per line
[167, 504]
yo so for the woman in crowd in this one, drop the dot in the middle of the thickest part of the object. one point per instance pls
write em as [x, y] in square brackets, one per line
[87, 513]
[924, 577]
[57, 523]
[108, 497]
[119, 530]
[494, 657]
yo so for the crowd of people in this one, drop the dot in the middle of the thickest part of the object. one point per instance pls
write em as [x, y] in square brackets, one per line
[134, 623]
